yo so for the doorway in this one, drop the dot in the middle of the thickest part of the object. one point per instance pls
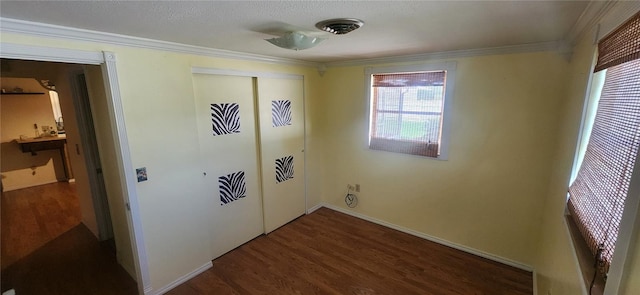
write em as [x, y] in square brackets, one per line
[82, 153]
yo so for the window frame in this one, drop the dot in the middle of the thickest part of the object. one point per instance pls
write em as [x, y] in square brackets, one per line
[630, 221]
[449, 68]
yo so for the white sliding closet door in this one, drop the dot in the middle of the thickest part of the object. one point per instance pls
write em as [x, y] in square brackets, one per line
[225, 107]
[281, 106]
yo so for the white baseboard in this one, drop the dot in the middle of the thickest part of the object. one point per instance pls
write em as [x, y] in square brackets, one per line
[466, 249]
[180, 280]
[11, 187]
[462, 248]
[535, 282]
[128, 268]
[314, 208]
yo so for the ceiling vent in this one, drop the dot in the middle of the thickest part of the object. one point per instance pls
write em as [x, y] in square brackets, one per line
[340, 26]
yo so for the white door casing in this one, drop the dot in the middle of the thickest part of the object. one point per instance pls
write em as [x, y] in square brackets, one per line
[107, 61]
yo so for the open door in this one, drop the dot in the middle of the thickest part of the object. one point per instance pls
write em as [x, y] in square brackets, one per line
[91, 155]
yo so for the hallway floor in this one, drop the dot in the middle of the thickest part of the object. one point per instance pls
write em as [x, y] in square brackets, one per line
[44, 253]
[26, 220]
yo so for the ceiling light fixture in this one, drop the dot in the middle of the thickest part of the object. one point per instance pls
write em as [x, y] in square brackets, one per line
[295, 41]
[340, 26]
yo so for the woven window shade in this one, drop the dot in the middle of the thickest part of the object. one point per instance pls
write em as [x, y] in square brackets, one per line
[598, 194]
[621, 45]
[408, 79]
[407, 112]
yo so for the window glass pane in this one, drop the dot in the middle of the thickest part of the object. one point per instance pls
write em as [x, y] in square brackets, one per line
[410, 127]
[387, 125]
[389, 98]
[407, 112]
[424, 128]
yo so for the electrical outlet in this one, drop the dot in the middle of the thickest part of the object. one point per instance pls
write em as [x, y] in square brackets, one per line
[357, 188]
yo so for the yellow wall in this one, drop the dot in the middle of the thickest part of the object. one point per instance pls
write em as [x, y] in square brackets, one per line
[556, 266]
[487, 196]
[19, 113]
[160, 117]
[56, 73]
[514, 126]
[631, 279]
[158, 104]
[112, 178]
[60, 74]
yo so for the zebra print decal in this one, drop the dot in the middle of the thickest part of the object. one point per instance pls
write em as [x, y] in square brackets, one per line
[284, 169]
[225, 118]
[281, 112]
[232, 187]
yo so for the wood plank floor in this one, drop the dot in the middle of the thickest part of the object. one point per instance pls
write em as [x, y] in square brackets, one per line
[328, 252]
[73, 262]
[28, 222]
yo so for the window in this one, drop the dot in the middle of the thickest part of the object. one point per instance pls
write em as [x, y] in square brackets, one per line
[409, 109]
[599, 194]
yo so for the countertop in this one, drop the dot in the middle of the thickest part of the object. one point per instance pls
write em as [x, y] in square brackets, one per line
[43, 138]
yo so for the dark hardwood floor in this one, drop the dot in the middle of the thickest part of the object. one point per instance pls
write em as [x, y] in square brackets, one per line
[328, 252]
[32, 217]
[46, 250]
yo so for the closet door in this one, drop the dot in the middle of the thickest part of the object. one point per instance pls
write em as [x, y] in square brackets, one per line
[229, 155]
[281, 106]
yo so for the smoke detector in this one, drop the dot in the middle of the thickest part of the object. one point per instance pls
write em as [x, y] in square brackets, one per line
[340, 26]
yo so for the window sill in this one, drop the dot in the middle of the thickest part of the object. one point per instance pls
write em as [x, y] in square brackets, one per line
[405, 147]
[585, 258]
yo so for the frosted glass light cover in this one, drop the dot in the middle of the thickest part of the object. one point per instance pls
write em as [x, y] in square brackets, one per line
[295, 41]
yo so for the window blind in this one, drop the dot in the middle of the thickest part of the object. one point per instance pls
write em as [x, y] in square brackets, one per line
[407, 112]
[597, 196]
[621, 45]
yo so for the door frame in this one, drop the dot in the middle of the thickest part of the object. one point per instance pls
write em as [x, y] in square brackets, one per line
[107, 61]
[91, 153]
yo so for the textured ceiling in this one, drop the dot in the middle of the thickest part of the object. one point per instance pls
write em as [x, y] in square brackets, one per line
[392, 28]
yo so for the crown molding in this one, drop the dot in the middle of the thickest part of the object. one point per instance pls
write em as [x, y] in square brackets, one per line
[229, 72]
[615, 17]
[41, 53]
[590, 17]
[67, 33]
[533, 47]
